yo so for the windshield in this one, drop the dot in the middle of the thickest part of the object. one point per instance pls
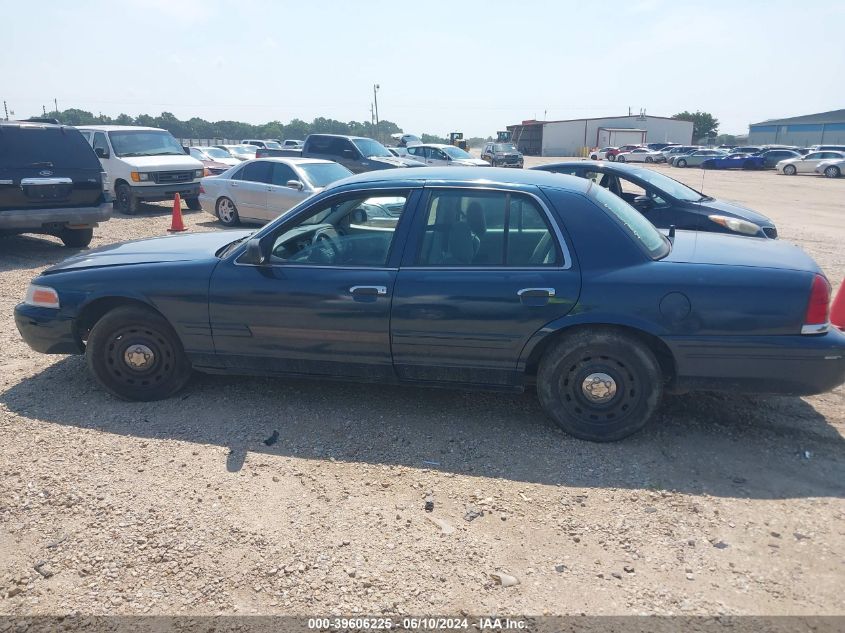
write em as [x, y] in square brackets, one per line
[633, 221]
[504, 147]
[215, 152]
[456, 152]
[675, 189]
[368, 147]
[272, 145]
[145, 143]
[322, 174]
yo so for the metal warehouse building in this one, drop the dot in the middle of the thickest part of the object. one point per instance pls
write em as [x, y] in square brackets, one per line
[824, 128]
[571, 137]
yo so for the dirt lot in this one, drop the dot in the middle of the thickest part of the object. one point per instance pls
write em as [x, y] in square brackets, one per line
[725, 504]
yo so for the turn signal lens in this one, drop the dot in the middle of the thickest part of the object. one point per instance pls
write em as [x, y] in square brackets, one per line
[42, 297]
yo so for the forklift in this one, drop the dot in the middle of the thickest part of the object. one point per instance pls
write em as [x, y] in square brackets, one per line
[457, 139]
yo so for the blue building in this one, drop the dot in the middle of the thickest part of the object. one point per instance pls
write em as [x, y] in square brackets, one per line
[824, 128]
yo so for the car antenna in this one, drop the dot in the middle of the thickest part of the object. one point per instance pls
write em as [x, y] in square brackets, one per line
[703, 173]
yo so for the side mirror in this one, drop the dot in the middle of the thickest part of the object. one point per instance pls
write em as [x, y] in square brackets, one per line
[643, 202]
[101, 152]
[254, 253]
[295, 184]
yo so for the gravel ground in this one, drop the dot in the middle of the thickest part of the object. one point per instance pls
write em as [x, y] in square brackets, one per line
[724, 505]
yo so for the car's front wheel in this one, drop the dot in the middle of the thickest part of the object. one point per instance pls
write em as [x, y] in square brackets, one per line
[790, 170]
[76, 238]
[611, 157]
[649, 159]
[124, 201]
[594, 157]
[599, 384]
[832, 171]
[135, 354]
[227, 213]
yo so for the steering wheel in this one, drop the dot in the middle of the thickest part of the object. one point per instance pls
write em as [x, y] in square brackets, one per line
[326, 237]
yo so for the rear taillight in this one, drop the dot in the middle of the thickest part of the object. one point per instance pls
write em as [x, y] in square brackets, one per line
[817, 316]
[202, 189]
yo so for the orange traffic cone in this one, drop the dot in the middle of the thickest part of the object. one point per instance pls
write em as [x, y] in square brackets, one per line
[176, 224]
[837, 308]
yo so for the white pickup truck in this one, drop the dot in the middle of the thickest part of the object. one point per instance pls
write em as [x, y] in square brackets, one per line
[144, 163]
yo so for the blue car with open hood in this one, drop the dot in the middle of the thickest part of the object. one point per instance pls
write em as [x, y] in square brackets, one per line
[473, 278]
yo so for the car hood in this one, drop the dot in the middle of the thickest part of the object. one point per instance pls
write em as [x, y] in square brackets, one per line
[163, 163]
[720, 206]
[399, 161]
[177, 248]
[701, 247]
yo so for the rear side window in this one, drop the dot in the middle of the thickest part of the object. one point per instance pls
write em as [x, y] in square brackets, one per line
[632, 221]
[486, 229]
[40, 146]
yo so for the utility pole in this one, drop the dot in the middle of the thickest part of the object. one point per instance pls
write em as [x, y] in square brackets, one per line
[372, 116]
[56, 103]
[44, 110]
[375, 102]
[6, 110]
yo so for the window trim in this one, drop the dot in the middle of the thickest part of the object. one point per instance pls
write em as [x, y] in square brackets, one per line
[550, 220]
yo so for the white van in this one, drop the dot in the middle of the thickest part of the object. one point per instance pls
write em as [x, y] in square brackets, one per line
[144, 163]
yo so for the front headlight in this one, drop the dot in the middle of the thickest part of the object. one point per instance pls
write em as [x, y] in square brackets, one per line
[199, 173]
[735, 224]
[141, 176]
[41, 297]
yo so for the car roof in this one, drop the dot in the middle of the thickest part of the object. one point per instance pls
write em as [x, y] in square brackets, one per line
[468, 176]
[613, 166]
[120, 128]
[292, 160]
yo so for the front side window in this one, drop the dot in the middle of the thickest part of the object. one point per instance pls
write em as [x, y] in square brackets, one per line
[282, 173]
[351, 231]
[368, 147]
[486, 229]
[100, 143]
[257, 171]
[323, 174]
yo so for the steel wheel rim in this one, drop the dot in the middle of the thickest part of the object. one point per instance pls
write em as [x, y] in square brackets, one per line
[610, 402]
[139, 357]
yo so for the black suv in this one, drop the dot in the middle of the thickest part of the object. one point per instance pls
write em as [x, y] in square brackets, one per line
[51, 182]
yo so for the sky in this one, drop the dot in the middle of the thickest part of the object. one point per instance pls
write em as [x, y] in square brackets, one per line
[462, 65]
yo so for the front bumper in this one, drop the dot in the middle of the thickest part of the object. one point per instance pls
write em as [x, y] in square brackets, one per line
[37, 218]
[500, 163]
[47, 330]
[798, 365]
[166, 192]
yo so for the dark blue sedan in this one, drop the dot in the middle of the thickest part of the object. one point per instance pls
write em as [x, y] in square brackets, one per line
[478, 278]
[667, 202]
[735, 161]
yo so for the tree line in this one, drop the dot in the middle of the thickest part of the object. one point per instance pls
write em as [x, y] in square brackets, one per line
[198, 128]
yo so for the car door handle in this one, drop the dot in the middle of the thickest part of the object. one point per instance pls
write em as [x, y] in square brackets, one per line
[536, 292]
[234, 185]
[368, 290]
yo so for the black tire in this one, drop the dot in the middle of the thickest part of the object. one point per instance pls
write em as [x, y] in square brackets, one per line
[649, 159]
[131, 332]
[563, 379]
[620, 158]
[680, 163]
[124, 201]
[832, 171]
[594, 157]
[76, 238]
[790, 170]
[193, 204]
[227, 212]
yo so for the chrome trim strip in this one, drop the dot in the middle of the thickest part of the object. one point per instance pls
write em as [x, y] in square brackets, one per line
[45, 181]
[816, 328]
[7, 182]
[549, 291]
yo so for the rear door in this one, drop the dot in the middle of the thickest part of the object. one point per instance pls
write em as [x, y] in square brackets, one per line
[44, 166]
[250, 189]
[484, 270]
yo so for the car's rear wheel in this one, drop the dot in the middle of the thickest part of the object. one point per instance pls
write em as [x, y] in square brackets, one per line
[620, 158]
[832, 171]
[790, 170]
[227, 212]
[124, 201]
[76, 238]
[193, 204]
[134, 353]
[599, 384]
[594, 157]
[680, 163]
[649, 159]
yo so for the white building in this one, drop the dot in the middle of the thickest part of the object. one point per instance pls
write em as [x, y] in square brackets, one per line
[576, 136]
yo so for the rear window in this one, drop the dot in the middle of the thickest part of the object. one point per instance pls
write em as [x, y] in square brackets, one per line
[632, 221]
[39, 146]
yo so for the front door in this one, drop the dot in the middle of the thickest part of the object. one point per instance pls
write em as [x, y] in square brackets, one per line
[249, 189]
[280, 196]
[485, 271]
[321, 305]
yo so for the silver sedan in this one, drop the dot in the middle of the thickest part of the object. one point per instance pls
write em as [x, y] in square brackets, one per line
[260, 190]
